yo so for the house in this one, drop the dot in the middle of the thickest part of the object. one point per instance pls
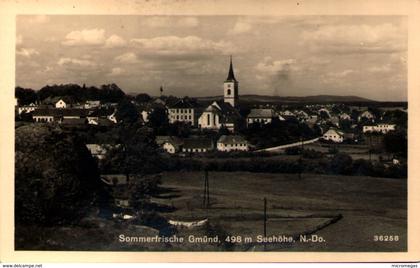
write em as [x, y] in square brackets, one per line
[60, 104]
[232, 143]
[334, 120]
[264, 116]
[324, 111]
[287, 113]
[90, 104]
[197, 145]
[170, 144]
[379, 128]
[97, 150]
[27, 108]
[219, 114]
[333, 135]
[366, 115]
[183, 111]
[101, 116]
[46, 115]
[345, 116]
[73, 122]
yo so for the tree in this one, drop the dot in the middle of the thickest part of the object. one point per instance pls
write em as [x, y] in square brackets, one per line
[56, 178]
[143, 97]
[158, 120]
[127, 112]
[341, 164]
[396, 142]
[136, 154]
[25, 96]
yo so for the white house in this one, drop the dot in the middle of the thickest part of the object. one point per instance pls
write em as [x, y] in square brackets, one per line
[232, 143]
[27, 108]
[182, 111]
[60, 104]
[197, 145]
[333, 135]
[97, 150]
[287, 113]
[381, 127]
[345, 116]
[264, 116]
[367, 115]
[89, 104]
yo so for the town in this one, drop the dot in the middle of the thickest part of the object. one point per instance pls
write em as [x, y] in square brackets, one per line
[332, 123]
[148, 155]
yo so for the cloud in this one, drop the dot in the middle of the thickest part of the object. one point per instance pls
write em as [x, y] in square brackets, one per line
[27, 52]
[128, 57]
[276, 74]
[76, 62]
[174, 45]
[342, 73]
[188, 22]
[85, 37]
[246, 24]
[363, 38]
[381, 69]
[241, 27]
[270, 67]
[158, 22]
[116, 71]
[115, 41]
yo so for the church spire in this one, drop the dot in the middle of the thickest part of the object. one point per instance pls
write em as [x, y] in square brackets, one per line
[231, 75]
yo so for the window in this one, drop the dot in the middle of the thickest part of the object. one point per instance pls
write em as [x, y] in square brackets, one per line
[228, 92]
[208, 119]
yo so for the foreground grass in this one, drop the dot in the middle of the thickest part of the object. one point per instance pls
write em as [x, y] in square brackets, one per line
[370, 206]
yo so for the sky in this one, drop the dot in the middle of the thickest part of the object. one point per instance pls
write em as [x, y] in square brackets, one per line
[189, 55]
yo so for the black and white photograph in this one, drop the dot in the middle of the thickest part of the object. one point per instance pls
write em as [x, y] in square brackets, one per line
[211, 133]
[234, 131]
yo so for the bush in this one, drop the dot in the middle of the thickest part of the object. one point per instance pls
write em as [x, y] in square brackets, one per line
[56, 178]
[341, 164]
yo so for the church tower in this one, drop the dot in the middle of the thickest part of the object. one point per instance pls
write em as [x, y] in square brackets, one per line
[231, 86]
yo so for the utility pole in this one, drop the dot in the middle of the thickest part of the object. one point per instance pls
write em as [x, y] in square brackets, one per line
[206, 195]
[265, 220]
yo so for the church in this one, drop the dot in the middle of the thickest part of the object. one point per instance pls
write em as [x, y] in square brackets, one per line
[223, 114]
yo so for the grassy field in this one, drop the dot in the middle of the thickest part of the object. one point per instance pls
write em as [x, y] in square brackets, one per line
[369, 206]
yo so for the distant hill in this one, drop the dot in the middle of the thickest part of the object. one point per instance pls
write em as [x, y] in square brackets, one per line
[285, 99]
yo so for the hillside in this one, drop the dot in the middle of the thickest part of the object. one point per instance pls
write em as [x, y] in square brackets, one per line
[287, 99]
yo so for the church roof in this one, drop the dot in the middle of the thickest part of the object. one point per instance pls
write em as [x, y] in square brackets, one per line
[262, 113]
[231, 75]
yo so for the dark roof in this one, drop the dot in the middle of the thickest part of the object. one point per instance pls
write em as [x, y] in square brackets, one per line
[60, 112]
[262, 113]
[194, 143]
[231, 75]
[184, 103]
[47, 112]
[73, 121]
[232, 139]
[102, 112]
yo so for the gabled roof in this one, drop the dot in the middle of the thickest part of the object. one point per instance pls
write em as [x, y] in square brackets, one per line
[60, 112]
[73, 121]
[262, 113]
[184, 103]
[194, 143]
[232, 139]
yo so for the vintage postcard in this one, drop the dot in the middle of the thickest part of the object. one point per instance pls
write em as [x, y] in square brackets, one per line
[209, 131]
